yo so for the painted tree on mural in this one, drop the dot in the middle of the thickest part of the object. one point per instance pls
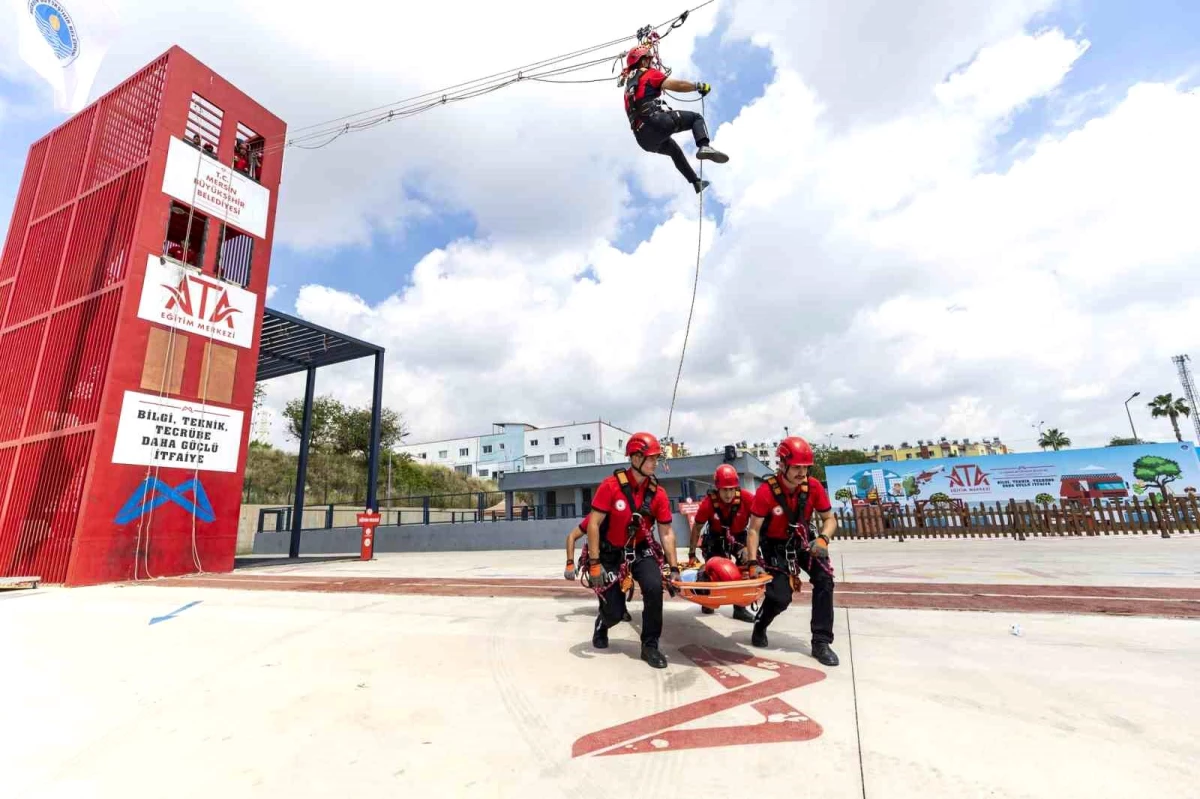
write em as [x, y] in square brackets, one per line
[1044, 498]
[844, 495]
[1157, 470]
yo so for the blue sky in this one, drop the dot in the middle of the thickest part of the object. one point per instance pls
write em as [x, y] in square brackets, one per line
[1153, 39]
[807, 185]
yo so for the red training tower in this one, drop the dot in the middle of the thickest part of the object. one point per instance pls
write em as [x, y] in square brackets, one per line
[132, 285]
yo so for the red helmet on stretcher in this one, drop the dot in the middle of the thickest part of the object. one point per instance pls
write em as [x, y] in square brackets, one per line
[721, 570]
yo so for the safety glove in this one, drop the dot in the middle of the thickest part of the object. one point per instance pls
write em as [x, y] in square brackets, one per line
[703, 88]
[692, 562]
[672, 577]
[819, 548]
[569, 572]
[598, 576]
[753, 569]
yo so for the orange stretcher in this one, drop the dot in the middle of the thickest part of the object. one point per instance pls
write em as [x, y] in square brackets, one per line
[734, 592]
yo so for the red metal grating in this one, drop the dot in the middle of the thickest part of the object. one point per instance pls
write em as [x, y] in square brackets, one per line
[126, 124]
[5, 290]
[64, 164]
[43, 507]
[24, 204]
[7, 458]
[18, 359]
[74, 365]
[101, 238]
[39, 268]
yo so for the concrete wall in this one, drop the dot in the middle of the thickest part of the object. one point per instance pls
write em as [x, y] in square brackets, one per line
[544, 534]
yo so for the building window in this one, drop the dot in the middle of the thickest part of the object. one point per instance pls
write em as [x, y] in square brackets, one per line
[502, 445]
[248, 152]
[424, 455]
[558, 440]
[204, 125]
[464, 452]
[587, 436]
[535, 460]
[487, 449]
[483, 472]
[533, 442]
[559, 457]
[182, 245]
[443, 453]
[585, 456]
[464, 470]
[233, 261]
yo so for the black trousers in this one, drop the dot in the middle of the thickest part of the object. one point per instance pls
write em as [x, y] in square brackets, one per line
[654, 136]
[779, 590]
[648, 576]
[716, 545]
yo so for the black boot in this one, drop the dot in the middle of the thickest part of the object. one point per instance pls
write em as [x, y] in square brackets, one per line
[706, 611]
[823, 654]
[700, 185]
[600, 634]
[651, 655]
[626, 617]
[759, 636]
[741, 614]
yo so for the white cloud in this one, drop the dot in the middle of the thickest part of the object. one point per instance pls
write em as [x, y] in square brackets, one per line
[272, 290]
[861, 209]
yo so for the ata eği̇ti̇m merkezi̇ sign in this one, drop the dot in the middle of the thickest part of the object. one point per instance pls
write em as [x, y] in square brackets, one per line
[182, 298]
[158, 431]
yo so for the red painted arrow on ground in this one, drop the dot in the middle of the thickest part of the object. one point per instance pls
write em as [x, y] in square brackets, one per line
[781, 722]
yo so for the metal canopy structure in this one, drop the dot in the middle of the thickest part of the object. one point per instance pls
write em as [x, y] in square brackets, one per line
[288, 345]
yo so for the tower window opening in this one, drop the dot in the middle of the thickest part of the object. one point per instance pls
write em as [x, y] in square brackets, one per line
[181, 246]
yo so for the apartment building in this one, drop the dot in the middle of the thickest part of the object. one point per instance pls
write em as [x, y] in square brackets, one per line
[941, 448]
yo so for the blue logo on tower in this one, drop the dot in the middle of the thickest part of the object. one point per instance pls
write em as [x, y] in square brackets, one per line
[57, 29]
[154, 492]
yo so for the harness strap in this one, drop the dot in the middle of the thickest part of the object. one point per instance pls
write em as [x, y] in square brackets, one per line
[797, 529]
[726, 521]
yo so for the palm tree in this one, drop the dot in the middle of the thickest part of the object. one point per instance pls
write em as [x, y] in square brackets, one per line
[1166, 405]
[1055, 439]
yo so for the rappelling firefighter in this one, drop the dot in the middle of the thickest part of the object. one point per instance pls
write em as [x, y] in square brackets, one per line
[625, 509]
[726, 511]
[577, 532]
[782, 513]
[654, 123]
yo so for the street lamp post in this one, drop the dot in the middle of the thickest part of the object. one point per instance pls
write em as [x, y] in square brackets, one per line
[1127, 413]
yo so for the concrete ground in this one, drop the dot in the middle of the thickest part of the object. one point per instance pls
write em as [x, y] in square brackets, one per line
[285, 685]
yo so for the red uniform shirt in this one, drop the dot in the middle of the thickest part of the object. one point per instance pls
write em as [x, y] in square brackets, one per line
[610, 499]
[707, 513]
[776, 524]
[649, 84]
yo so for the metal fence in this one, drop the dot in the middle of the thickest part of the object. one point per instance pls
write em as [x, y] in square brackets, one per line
[483, 506]
[1164, 516]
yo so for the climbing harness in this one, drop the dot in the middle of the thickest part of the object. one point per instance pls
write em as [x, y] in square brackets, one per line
[631, 553]
[797, 539]
[731, 544]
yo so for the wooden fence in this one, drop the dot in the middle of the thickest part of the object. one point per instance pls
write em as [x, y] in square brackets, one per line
[1163, 516]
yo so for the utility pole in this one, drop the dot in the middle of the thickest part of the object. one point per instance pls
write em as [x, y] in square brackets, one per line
[1127, 413]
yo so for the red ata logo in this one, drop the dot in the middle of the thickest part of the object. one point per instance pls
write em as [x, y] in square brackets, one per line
[210, 294]
[970, 476]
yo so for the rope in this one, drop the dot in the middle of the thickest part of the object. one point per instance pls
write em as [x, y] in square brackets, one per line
[691, 308]
[335, 128]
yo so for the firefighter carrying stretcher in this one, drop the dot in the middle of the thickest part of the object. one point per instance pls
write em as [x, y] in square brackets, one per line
[782, 511]
[625, 509]
[726, 512]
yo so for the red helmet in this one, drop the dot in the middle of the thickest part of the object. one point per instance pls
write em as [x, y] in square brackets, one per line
[643, 444]
[794, 451]
[636, 54]
[721, 570]
[726, 477]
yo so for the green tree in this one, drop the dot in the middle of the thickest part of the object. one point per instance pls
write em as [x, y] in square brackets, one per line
[824, 456]
[1044, 498]
[844, 495]
[1123, 441]
[1160, 471]
[327, 415]
[940, 499]
[1172, 408]
[352, 434]
[260, 395]
[1055, 439]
